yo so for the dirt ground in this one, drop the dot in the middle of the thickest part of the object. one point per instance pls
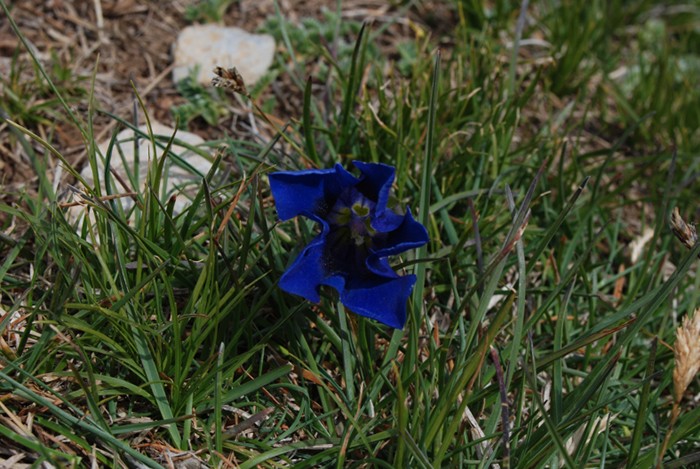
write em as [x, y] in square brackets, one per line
[120, 42]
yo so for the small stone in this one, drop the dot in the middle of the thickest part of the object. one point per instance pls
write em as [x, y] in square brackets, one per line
[210, 45]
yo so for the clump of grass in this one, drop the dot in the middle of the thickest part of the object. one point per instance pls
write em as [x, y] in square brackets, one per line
[29, 100]
[207, 10]
[200, 102]
[532, 336]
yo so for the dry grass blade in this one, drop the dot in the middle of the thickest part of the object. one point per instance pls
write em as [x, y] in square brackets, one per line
[249, 423]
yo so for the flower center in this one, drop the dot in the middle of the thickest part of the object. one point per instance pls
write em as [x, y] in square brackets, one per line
[353, 213]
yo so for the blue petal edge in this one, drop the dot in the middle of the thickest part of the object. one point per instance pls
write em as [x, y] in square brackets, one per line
[377, 179]
[381, 299]
[308, 192]
[409, 235]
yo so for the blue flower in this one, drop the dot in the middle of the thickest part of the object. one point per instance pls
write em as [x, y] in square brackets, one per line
[360, 228]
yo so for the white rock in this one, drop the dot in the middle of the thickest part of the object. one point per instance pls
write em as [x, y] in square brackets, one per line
[177, 180]
[210, 45]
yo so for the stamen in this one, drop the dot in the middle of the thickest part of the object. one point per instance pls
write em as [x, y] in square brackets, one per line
[359, 209]
[352, 211]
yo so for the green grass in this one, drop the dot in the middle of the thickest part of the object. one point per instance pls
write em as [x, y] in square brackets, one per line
[532, 168]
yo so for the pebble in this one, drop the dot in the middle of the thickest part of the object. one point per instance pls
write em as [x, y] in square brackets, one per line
[211, 45]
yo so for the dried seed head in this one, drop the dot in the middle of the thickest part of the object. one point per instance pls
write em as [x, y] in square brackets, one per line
[686, 351]
[229, 78]
[686, 233]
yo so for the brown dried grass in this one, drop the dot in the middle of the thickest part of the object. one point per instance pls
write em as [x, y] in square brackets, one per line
[686, 353]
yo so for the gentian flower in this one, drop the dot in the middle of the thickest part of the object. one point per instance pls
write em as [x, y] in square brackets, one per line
[361, 225]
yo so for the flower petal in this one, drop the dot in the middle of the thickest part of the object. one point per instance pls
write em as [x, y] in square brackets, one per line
[310, 270]
[409, 235]
[306, 272]
[376, 180]
[310, 192]
[376, 183]
[379, 298]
